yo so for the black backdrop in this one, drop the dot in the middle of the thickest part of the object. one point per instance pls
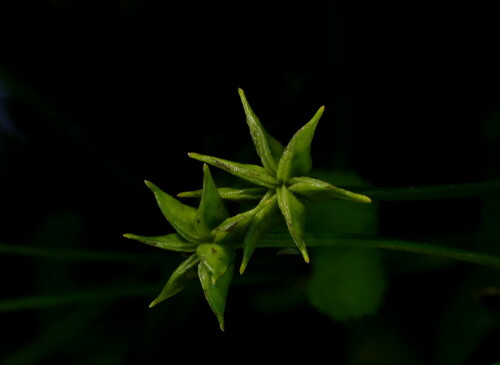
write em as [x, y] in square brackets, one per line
[103, 95]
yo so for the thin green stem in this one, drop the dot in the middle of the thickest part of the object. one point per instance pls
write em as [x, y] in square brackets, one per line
[77, 255]
[276, 241]
[83, 296]
[361, 241]
[453, 191]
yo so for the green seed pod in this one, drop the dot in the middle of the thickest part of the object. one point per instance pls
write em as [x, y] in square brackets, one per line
[318, 190]
[253, 173]
[296, 159]
[267, 217]
[211, 211]
[178, 280]
[216, 294]
[230, 193]
[268, 148]
[172, 242]
[216, 258]
[294, 212]
[181, 216]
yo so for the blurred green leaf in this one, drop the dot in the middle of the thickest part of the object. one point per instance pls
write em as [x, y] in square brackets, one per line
[346, 283]
[465, 321]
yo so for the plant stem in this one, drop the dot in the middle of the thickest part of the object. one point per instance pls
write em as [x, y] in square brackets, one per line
[361, 241]
[453, 191]
[275, 240]
[77, 255]
[83, 296]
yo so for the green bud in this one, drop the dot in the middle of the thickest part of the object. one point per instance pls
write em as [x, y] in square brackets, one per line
[253, 173]
[296, 159]
[172, 242]
[318, 190]
[216, 258]
[294, 212]
[178, 280]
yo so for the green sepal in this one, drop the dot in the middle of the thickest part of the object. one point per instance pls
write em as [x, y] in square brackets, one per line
[267, 217]
[211, 211]
[178, 280]
[317, 190]
[268, 148]
[216, 258]
[181, 216]
[233, 229]
[172, 242]
[230, 193]
[294, 212]
[253, 173]
[296, 159]
[216, 294]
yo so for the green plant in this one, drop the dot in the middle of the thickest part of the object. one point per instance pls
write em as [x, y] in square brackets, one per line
[210, 236]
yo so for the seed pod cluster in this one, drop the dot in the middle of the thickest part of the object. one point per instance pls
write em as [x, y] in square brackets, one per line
[209, 233]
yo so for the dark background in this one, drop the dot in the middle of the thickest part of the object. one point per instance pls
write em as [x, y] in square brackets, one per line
[102, 95]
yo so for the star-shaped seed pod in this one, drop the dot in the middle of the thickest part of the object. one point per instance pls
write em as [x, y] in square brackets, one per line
[282, 186]
[197, 234]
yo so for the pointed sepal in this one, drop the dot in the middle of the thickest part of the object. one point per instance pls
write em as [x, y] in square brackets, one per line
[233, 229]
[268, 148]
[178, 280]
[181, 216]
[172, 242]
[253, 173]
[212, 210]
[317, 190]
[216, 294]
[294, 212]
[296, 159]
[230, 193]
[267, 217]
